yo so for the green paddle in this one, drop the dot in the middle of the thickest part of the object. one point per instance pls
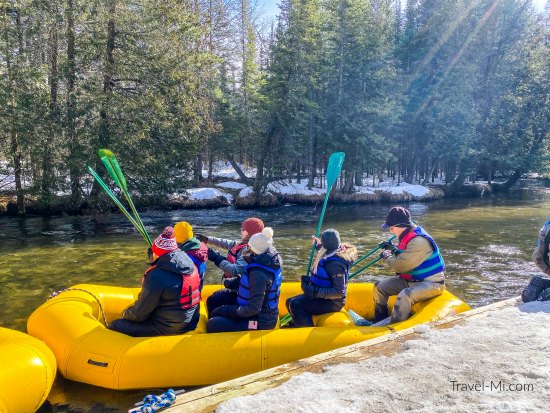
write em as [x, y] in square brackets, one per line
[334, 167]
[364, 257]
[119, 204]
[110, 162]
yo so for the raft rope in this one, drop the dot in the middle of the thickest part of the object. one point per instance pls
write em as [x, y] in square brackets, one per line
[153, 403]
[56, 293]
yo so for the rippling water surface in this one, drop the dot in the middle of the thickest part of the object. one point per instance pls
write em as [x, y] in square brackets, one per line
[487, 245]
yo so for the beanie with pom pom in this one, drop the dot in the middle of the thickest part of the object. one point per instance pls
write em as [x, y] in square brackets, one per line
[260, 243]
[165, 242]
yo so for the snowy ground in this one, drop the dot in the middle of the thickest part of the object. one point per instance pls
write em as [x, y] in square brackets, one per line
[295, 188]
[231, 185]
[224, 170]
[498, 363]
[204, 194]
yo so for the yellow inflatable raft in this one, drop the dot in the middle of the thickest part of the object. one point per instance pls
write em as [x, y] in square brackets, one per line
[27, 371]
[72, 326]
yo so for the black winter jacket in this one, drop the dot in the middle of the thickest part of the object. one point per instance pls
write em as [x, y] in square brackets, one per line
[159, 299]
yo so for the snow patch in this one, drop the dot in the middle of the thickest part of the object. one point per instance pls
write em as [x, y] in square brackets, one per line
[246, 191]
[294, 188]
[509, 347]
[415, 190]
[231, 185]
[201, 194]
[225, 170]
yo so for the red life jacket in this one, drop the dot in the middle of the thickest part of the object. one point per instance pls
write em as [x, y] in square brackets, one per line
[190, 294]
[232, 255]
[434, 264]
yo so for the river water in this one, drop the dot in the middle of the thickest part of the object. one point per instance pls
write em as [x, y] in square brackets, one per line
[487, 245]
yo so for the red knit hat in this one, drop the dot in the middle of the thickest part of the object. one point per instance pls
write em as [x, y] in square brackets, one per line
[253, 226]
[165, 242]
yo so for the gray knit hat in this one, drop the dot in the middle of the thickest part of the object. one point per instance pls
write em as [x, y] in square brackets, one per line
[330, 239]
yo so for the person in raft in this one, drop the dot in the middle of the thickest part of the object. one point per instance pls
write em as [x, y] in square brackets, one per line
[325, 289]
[539, 288]
[255, 304]
[417, 262]
[168, 303]
[232, 265]
[197, 250]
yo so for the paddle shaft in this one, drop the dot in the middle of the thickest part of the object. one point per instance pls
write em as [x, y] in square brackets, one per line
[364, 257]
[112, 166]
[312, 252]
[118, 203]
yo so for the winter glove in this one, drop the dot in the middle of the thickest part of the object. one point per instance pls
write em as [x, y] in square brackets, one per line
[228, 311]
[387, 245]
[385, 254]
[215, 257]
[201, 238]
[307, 288]
[231, 283]
[150, 254]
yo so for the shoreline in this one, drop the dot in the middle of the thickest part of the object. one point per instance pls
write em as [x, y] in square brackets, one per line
[221, 195]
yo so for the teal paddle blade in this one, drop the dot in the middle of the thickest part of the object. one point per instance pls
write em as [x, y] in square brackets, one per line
[334, 167]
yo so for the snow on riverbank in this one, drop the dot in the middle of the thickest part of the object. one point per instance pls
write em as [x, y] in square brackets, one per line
[205, 194]
[231, 185]
[224, 170]
[498, 363]
[286, 189]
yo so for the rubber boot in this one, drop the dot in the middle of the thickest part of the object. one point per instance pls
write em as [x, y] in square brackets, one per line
[544, 295]
[535, 287]
[380, 313]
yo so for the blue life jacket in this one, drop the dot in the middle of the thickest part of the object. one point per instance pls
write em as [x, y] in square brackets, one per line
[431, 266]
[546, 242]
[201, 268]
[321, 278]
[272, 296]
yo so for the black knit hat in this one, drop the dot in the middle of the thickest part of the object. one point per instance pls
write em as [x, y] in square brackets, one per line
[330, 239]
[398, 217]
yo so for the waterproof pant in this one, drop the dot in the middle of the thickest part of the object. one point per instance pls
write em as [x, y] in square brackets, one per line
[303, 308]
[151, 328]
[224, 324]
[408, 294]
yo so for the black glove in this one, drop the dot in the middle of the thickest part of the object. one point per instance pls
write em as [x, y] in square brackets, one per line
[150, 254]
[201, 238]
[307, 288]
[215, 257]
[228, 311]
[387, 245]
[232, 283]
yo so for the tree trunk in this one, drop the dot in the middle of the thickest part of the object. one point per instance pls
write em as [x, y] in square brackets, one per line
[105, 129]
[197, 170]
[210, 165]
[73, 144]
[246, 180]
[14, 139]
[105, 126]
[505, 186]
[313, 154]
[259, 182]
[47, 158]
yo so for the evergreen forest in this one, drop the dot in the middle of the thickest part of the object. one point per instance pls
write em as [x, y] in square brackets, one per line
[416, 91]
